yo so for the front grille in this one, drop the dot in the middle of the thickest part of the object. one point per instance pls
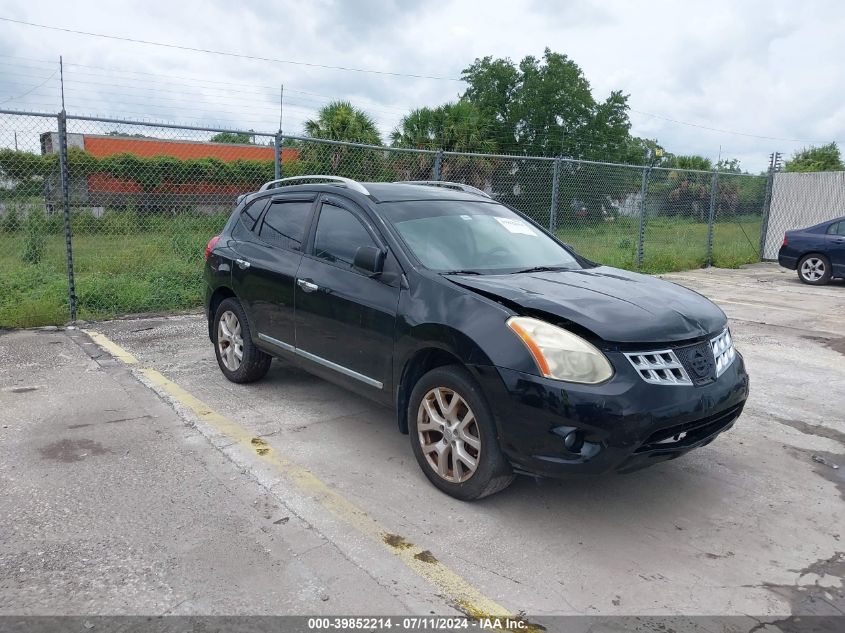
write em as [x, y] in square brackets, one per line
[659, 368]
[698, 364]
[689, 433]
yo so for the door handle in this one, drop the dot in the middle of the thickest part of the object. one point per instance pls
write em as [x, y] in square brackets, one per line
[242, 264]
[307, 286]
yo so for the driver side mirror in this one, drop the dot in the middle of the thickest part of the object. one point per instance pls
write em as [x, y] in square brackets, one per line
[369, 259]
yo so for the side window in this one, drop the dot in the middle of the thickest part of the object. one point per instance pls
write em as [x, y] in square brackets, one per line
[339, 235]
[837, 228]
[284, 224]
[251, 212]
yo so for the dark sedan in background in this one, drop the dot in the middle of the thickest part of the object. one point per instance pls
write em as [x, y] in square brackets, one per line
[817, 252]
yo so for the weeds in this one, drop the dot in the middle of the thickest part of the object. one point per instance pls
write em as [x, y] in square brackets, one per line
[128, 261]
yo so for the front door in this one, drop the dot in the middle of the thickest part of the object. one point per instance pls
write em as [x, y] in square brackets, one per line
[836, 248]
[264, 274]
[345, 318]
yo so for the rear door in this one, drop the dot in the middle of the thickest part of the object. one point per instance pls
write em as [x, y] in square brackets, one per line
[264, 273]
[836, 247]
[345, 318]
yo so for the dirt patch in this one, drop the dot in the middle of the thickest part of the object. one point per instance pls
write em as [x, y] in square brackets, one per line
[397, 542]
[426, 557]
[261, 447]
[72, 450]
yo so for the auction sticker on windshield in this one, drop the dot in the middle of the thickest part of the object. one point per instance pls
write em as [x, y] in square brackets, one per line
[516, 226]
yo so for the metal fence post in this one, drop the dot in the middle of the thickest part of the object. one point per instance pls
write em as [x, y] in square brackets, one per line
[641, 237]
[767, 205]
[65, 183]
[555, 186]
[438, 164]
[277, 155]
[714, 192]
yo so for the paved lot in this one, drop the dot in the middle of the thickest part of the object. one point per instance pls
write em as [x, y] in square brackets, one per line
[105, 484]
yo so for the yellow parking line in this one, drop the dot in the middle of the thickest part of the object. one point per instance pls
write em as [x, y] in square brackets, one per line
[111, 347]
[458, 591]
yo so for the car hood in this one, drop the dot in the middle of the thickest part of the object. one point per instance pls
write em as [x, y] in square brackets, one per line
[616, 305]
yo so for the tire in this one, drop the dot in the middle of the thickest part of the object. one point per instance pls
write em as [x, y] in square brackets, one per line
[233, 334]
[814, 269]
[492, 472]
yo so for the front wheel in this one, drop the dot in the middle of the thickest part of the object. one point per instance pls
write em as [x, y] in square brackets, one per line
[814, 269]
[238, 357]
[454, 437]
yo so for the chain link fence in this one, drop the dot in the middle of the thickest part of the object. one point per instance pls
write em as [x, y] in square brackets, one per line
[106, 217]
[799, 200]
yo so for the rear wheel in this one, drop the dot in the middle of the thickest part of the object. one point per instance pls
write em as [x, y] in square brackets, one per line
[239, 359]
[453, 435]
[814, 269]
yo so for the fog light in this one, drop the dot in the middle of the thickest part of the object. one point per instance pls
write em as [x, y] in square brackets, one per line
[574, 441]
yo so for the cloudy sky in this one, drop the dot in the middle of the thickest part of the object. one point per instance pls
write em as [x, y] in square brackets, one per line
[773, 69]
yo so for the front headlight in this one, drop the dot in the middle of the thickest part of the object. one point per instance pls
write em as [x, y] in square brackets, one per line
[560, 354]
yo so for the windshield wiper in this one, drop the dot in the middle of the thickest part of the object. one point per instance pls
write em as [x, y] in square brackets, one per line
[460, 272]
[540, 269]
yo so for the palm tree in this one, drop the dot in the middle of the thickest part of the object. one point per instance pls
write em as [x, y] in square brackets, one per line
[341, 121]
[452, 127]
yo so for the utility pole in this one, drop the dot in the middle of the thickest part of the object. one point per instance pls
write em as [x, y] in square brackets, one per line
[277, 142]
[281, 105]
[62, 81]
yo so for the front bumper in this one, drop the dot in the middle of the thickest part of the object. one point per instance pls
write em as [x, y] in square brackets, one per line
[623, 425]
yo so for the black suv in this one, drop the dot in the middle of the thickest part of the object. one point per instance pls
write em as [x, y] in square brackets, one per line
[501, 349]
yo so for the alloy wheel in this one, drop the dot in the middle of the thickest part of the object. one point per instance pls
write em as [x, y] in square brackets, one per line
[230, 344]
[813, 269]
[449, 435]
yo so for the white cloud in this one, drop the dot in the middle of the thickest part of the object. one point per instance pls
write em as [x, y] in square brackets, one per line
[766, 68]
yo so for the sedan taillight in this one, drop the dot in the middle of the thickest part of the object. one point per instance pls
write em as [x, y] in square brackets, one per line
[785, 242]
[210, 246]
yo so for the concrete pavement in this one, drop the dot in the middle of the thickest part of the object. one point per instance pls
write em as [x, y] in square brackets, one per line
[750, 524]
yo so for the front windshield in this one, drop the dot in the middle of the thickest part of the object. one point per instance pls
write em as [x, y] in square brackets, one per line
[474, 236]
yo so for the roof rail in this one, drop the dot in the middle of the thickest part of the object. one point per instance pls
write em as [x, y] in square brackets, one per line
[447, 185]
[352, 184]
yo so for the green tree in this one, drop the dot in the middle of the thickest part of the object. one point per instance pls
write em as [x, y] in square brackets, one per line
[545, 107]
[243, 138]
[823, 158]
[341, 121]
[452, 127]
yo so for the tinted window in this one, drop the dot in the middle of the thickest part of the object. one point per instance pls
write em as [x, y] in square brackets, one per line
[284, 224]
[339, 234]
[251, 212]
[837, 228]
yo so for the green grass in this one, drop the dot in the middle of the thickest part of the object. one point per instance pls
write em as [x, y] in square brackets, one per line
[670, 244]
[127, 262]
[123, 264]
